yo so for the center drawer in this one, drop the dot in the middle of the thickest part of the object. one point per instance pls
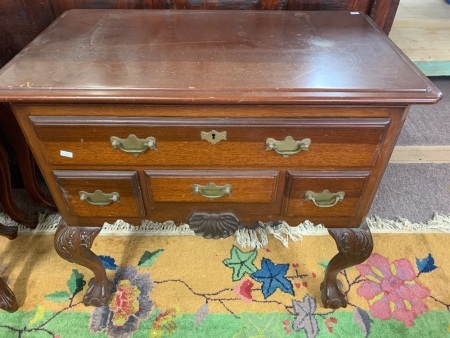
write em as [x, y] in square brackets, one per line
[179, 193]
[224, 142]
[206, 186]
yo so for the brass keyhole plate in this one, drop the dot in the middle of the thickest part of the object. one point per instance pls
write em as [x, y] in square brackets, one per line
[213, 136]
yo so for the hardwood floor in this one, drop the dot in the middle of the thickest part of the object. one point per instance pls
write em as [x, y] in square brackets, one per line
[421, 154]
[422, 30]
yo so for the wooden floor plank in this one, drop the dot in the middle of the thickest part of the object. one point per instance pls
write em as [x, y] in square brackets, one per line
[422, 30]
[421, 154]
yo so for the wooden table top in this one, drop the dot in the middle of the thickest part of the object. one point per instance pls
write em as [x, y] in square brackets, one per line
[234, 57]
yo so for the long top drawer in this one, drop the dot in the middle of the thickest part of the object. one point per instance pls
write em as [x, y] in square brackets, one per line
[224, 142]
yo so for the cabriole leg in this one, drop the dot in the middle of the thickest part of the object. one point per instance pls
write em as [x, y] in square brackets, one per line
[74, 244]
[355, 246]
[8, 300]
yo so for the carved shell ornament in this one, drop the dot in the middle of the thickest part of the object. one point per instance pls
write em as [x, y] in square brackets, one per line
[214, 226]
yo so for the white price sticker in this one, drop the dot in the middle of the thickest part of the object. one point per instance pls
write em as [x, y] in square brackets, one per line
[64, 153]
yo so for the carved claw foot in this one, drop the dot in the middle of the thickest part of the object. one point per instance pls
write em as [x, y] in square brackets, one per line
[98, 294]
[354, 246]
[8, 232]
[73, 244]
[332, 295]
[8, 300]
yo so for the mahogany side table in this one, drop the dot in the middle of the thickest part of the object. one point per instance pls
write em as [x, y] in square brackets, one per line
[218, 119]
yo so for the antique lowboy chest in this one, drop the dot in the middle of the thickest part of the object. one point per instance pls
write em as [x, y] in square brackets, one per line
[218, 119]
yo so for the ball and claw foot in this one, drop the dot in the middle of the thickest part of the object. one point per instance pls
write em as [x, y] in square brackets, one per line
[98, 294]
[73, 244]
[354, 245]
[332, 296]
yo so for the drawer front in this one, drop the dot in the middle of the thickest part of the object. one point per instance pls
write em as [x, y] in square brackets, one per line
[189, 142]
[101, 193]
[324, 194]
[248, 195]
[209, 186]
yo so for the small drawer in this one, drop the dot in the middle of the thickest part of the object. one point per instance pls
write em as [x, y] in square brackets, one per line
[324, 194]
[220, 142]
[210, 186]
[101, 193]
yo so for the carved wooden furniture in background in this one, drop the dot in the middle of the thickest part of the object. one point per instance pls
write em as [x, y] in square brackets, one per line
[11, 131]
[21, 21]
[8, 300]
[162, 115]
[11, 134]
[7, 200]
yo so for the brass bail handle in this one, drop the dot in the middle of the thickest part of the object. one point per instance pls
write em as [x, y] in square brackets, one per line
[211, 190]
[132, 144]
[288, 146]
[324, 199]
[99, 198]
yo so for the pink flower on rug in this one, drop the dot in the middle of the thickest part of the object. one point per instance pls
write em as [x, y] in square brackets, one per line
[130, 304]
[244, 290]
[392, 290]
[125, 302]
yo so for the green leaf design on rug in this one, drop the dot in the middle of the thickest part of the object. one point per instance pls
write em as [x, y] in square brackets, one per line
[149, 258]
[324, 264]
[76, 282]
[58, 296]
[241, 262]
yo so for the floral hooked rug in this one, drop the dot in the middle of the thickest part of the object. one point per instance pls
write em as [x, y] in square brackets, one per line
[186, 286]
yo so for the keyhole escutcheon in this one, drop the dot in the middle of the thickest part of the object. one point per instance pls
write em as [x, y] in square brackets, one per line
[213, 136]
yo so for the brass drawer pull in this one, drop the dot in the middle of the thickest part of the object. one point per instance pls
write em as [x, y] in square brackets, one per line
[288, 146]
[99, 197]
[133, 145]
[211, 190]
[324, 199]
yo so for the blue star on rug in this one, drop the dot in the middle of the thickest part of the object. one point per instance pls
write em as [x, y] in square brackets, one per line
[273, 277]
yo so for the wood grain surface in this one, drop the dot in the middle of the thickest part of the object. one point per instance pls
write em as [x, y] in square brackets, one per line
[24, 20]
